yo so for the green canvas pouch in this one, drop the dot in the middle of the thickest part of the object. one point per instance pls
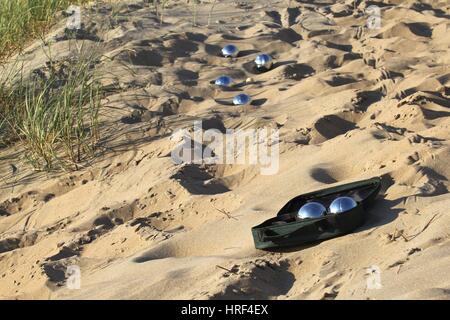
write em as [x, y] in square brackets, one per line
[285, 230]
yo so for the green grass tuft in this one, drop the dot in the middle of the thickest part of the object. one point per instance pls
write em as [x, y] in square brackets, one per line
[23, 20]
[53, 112]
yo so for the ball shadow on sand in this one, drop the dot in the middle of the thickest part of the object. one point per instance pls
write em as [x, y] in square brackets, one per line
[245, 53]
[258, 102]
[224, 102]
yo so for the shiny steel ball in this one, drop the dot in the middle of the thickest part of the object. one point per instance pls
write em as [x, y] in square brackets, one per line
[230, 50]
[342, 204]
[223, 81]
[311, 210]
[264, 61]
[241, 99]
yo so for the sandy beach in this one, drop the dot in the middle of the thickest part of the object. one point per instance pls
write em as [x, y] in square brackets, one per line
[349, 102]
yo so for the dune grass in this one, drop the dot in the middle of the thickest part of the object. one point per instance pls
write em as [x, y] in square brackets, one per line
[53, 112]
[23, 20]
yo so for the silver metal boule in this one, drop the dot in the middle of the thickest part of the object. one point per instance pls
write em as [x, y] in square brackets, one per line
[223, 81]
[241, 99]
[264, 61]
[312, 210]
[230, 50]
[342, 204]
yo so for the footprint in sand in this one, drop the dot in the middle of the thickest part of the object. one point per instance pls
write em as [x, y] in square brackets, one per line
[330, 126]
[143, 57]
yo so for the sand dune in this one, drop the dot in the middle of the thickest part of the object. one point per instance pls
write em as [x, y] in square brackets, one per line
[349, 103]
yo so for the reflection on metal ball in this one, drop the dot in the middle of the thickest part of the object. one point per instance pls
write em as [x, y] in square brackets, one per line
[230, 50]
[311, 210]
[241, 99]
[342, 204]
[264, 61]
[223, 81]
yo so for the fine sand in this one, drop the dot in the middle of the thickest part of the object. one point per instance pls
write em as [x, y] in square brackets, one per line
[349, 102]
